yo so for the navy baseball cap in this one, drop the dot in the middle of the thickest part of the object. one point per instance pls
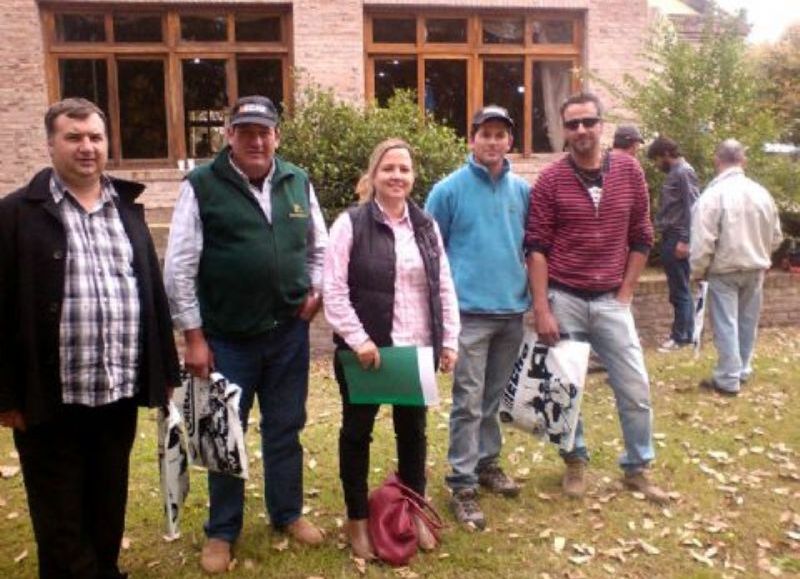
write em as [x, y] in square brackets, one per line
[257, 110]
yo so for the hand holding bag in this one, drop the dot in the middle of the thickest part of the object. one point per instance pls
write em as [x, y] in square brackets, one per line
[392, 507]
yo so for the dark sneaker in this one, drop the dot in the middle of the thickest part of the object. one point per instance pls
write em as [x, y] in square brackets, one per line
[574, 482]
[640, 482]
[465, 508]
[493, 479]
[711, 385]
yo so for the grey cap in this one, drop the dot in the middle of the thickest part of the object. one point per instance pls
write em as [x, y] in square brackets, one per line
[492, 113]
[626, 135]
[257, 110]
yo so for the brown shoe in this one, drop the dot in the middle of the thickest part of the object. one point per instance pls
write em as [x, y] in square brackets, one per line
[358, 536]
[495, 480]
[639, 481]
[216, 556]
[425, 537]
[574, 482]
[305, 532]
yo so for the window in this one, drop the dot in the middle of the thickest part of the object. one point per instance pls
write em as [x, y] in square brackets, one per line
[165, 78]
[457, 61]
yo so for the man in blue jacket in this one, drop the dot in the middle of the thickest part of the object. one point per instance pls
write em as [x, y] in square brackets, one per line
[481, 210]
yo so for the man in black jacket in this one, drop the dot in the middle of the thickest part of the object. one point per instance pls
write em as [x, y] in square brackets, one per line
[86, 338]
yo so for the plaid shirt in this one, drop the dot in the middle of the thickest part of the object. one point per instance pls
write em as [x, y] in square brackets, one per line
[99, 332]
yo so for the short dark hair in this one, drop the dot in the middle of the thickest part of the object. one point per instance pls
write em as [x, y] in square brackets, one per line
[663, 146]
[74, 108]
[582, 98]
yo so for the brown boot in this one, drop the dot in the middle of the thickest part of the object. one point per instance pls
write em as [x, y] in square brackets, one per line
[216, 556]
[425, 537]
[574, 482]
[639, 481]
[358, 536]
[305, 532]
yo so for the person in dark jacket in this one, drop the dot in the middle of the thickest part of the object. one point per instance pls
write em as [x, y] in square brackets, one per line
[86, 338]
[673, 220]
[410, 303]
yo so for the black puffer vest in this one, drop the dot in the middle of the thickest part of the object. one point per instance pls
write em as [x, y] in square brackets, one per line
[371, 273]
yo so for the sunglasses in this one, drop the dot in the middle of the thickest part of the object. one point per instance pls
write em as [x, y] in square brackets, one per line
[588, 122]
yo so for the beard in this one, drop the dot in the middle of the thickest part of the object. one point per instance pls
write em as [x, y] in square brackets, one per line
[584, 144]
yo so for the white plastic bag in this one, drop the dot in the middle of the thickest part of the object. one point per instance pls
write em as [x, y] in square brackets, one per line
[173, 464]
[210, 411]
[543, 396]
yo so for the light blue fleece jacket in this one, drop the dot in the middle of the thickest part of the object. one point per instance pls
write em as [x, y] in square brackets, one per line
[483, 225]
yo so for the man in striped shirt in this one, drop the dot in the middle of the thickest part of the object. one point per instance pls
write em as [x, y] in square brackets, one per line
[587, 238]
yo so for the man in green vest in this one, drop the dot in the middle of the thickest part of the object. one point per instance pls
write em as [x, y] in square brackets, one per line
[243, 272]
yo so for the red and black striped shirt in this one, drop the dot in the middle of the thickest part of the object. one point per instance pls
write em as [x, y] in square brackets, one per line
[587, 250]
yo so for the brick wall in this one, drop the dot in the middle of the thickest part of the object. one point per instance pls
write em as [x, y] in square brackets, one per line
[22, 93]
[653, 312]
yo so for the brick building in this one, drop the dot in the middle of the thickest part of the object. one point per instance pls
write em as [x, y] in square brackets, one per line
[165, 70]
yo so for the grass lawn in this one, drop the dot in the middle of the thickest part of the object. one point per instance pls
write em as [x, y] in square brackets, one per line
[732, 464]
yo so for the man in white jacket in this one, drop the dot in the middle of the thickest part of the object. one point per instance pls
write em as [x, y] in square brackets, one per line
[735, 229]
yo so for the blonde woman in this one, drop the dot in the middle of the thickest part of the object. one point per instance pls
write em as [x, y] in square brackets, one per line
[387, 282]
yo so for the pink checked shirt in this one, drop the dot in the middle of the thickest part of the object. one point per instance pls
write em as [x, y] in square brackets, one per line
[411, 322]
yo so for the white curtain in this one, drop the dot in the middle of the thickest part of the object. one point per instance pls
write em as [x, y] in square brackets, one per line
[556, 77]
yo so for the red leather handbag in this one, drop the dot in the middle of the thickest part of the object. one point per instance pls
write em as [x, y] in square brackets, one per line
[392, 507]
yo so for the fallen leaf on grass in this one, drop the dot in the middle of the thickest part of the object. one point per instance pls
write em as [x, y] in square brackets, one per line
[249, 564]
[8, 471]
[405, 573]
[648, 548]
[360, 565]
[580, 559]
[126, 543]
[700, 558]
[558, 544]
[281, 545]
[312, 464]
[12, 515]
[21, 556]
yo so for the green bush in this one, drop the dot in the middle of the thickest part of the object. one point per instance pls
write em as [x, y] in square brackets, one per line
[332, 140]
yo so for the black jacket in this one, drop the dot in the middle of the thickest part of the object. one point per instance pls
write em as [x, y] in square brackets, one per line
[371, 274]
[33, 247]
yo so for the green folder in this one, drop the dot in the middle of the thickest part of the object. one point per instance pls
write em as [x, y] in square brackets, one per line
[406, 377]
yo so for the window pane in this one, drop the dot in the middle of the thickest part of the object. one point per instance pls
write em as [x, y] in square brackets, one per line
[446, 92]
[503, 31]
[255, 28]
[393, 74]
[553, 32]
[204, 28]
[552, 83]
[137, 28]
[504, 85]
[446, 30]
[86, 78]
[205, 100]
[394, 30]
[80, 28]
[142, 111]
[261, 77]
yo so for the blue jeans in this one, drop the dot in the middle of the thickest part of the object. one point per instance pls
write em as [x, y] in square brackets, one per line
[487, 349]
[680, 294]
[610, 328]
[273, 367]
[735, 302]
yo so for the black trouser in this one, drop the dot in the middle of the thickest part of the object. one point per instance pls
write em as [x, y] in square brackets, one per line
[355, 437]
[75, 468]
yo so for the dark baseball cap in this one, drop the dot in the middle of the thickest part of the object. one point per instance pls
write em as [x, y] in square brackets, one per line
[626, 135]
[492, 113]
[257, 110]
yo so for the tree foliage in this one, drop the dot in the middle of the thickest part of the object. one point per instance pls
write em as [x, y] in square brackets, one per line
[778, 67]
[333, 139]
[699, 94]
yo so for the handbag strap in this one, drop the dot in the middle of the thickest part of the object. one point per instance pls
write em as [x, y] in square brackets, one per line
[421, 507]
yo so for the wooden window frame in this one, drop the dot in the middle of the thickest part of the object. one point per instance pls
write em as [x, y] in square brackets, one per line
[171, 50]
[475, 52]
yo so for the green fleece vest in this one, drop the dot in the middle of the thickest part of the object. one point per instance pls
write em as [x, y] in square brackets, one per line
[252, 273]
